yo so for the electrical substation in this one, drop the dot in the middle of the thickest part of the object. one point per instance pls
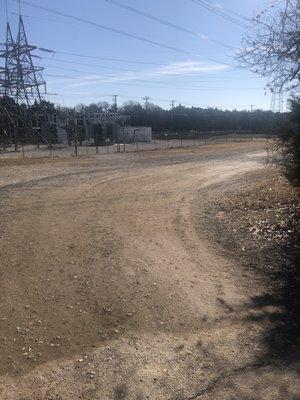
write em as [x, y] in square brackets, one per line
[27, 119]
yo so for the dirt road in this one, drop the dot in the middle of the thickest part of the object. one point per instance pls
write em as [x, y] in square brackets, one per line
[109, 291]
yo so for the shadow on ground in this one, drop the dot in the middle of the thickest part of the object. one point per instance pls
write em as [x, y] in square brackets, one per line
[255, 220]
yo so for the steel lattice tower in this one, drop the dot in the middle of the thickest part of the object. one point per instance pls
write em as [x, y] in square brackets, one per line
[19, 78]
[277, 101]
[4, 71]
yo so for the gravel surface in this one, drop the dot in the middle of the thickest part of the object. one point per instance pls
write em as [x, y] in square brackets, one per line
[112, 287]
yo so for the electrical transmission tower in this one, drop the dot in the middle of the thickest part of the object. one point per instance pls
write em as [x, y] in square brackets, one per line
[277, 100]
[19, 78]
[21, 83]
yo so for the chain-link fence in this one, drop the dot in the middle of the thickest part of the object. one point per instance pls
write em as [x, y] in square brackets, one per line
[160, 141]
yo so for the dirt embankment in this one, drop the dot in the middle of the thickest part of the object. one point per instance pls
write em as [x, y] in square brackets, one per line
[256, 222]
[111, 289]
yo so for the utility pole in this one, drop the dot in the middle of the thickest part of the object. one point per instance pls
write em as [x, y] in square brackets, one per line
[146, 100]
[115, 102]
[251, 107]
[172, 103]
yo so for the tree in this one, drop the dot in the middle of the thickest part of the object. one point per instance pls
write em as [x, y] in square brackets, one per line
[272, 49]
[291, 139]
[272, 46]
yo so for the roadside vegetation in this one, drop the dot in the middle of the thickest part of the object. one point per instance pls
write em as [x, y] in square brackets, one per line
[272, 49]
[290, 138]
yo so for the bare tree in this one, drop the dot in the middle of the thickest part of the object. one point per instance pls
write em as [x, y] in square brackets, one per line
[272, 46]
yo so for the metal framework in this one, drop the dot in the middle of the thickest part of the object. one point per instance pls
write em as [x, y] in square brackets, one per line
[19, 78]
[24, 117]
[277, 101]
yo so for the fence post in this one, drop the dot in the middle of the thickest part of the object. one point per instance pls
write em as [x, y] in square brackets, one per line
[23, 150]
[15, 138]
[97, 146]
[75, 142]
[50, 138]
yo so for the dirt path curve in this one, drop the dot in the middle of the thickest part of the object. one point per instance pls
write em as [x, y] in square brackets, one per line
[109, 292]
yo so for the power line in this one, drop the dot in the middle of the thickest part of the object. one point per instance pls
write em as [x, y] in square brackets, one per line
[120, 32]
[158, 73]
[165, 22]
[220, 13]
[128, 70]
[107, 28]
[125, 60]
[181, 103]
[92, 65]
[163, 86]
[44, 19]
[136, 79]
[109, 58]
[204, 37]
[221, 8]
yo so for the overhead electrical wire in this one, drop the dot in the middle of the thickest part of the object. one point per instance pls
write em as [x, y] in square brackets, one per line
[114, 76]
[159, 73]
[44, 19]
[180, 102]
[92, 65]
[202, 80]
[107, 28]
[133, 36]
[166, 23]
[118, 31]
[162, 86]
[141, 98]
[109, 58]
[222, 9]
[139, 62]
[220, 13]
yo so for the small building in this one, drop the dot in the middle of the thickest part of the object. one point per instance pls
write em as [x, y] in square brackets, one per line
[130, 134]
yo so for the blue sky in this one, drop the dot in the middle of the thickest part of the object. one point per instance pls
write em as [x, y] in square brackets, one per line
[189, 75]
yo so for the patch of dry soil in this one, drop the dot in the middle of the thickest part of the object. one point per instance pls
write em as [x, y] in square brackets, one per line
[108, 291]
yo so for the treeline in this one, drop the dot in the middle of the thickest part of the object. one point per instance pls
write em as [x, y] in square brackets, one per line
[179, 119]
[183, 118]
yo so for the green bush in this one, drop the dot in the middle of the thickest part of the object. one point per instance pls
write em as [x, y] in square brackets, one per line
[290, 138]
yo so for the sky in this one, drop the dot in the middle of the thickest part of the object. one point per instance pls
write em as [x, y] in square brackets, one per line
[191, 63]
